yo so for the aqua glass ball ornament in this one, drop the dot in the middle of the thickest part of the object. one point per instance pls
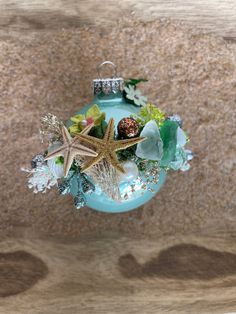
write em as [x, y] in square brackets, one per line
[108, 96]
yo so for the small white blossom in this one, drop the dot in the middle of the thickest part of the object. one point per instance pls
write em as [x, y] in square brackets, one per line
[41, 179]
[135, 94]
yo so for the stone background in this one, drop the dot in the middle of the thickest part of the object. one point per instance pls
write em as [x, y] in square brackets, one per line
[189, 73]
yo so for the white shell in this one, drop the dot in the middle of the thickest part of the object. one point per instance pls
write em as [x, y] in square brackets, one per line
[56, 169]
[131, 171]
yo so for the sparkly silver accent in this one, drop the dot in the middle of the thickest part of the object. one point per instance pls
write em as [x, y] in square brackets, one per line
[149, 175]
[108, 85]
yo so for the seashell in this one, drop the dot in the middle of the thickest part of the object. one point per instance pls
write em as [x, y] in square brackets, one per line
[55, 168]
[131, 171]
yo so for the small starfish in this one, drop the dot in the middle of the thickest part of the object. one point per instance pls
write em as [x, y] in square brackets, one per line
[107, 147]
[70, 148]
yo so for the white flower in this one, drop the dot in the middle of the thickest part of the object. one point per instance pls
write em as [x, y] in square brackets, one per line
[135, 95]
[152, 147]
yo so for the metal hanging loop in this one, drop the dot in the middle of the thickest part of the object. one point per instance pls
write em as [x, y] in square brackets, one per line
[100, 66]
[109, 85]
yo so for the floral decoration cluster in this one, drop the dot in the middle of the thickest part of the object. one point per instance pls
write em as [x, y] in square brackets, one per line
[78, 161]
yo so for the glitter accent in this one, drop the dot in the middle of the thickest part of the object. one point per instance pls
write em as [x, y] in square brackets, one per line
[79, 200]
[37, 161]
[107, 86]
[50, 128]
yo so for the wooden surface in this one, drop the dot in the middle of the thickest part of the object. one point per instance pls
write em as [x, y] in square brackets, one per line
[111, 273]
[217, 16]
[115, 274]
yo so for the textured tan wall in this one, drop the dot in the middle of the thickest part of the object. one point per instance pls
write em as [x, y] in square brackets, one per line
[190, 74]
[21, 17]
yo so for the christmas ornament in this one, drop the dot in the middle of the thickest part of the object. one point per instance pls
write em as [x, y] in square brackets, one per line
[128, 127]
[113, 155]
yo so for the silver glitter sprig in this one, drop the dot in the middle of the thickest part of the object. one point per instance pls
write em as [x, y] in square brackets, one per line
[50, 128]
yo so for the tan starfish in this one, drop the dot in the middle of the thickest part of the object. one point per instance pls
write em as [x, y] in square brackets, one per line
[107, 147]
[70, 148]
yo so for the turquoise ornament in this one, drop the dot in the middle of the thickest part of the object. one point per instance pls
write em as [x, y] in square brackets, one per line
[133, 145]
[99, 200]
[108, 96]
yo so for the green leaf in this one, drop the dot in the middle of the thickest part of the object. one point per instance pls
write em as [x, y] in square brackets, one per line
[59, 160]
[78, 118]
[134, 82]
[93, 112]
[151, 112]
[74, 129]
[99, 130]
[100, 118]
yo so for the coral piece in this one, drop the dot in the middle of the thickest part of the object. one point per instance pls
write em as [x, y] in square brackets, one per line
[106, 177]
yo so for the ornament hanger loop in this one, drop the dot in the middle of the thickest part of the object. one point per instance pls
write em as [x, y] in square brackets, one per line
[112, 84]
[105, 63]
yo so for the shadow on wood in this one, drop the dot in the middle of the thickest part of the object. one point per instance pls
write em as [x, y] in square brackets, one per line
[19, 271]
[183, 261]
[94, 274]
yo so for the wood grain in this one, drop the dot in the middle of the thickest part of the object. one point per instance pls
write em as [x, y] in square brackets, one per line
[19, 271]
[25, 16]
[114, 274]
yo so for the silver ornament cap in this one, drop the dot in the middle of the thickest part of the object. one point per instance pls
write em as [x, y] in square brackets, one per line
[109, 85]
